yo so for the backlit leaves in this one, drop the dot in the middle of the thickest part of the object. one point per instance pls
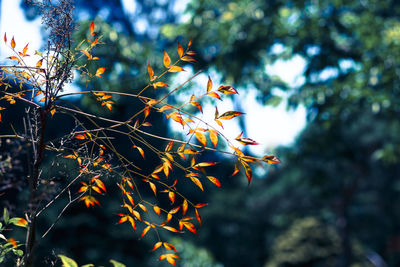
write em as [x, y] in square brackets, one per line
[100, 71]
[166, 60]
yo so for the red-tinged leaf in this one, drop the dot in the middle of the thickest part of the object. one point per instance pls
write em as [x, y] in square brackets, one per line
[236, 170]
[190, 43]
[169, 228]
[96, 189]
[188, 59]
[169, 246]
[198, 217]
[140, 151]
[190, 151]
[145, 230]
[99, 183]
[147, 124]
[136, 214]
[227, 90]
[100, 71]
[205, 164]
[249, 159]
[14, 58]
[201, 137]
[200, 205]
[167, 60]
[197, 105]
[150, 71]
[12, 43]
[89, 201]
[184, 207]
[214, 94]
[81, 136]
[190, 227]
[229, 115]
[213, 137]
[169, 146]
[245, 141]
[5, 38]
[109, 106]
[156, 246]
[13, 242]
[153, 188]
[25, 50]
[146, 111]
[197, 182]
[248, 171]
[174, 210]
[94, 42]
[159, 84]
[180, 50]
[143, 207]
[132, 221]
[157, 210]
[92, 28]
[209, 84]
[87, 54]
[237, 151]
[171, 196]
[165, 107]
[21, 222]
[271, 160]
[175, 69]
[214, 180]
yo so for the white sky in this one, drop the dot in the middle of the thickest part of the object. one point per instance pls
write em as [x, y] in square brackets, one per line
[270, 126]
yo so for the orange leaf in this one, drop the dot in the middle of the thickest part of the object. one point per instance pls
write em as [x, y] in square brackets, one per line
[201, 137]
[236, 170]
[205, 164]
[209, 84]
[13, 43]
[214, 180]
[81, 136]
[171, 196]
[213, 137]
[214, 94]
[227, 90]
[39, 63]
[140, 150]
[198, 217]
[167, 60]
[25, 50]
[175, 69]
[157, 245]
[169, 246]
[145, 230]
[13, 242]
[197, 105]
[165, 107]
[229, 115]
[169, 228]
[197, 182]
[153, 187]
[188, 59]
[271, 160]
[92, 28]
[184, 207]
[200, 205]
[5, 38]
[180, 50]
[245, 141]
[247, 169]
[159, 84]
[169, 146]
[21, 222]
[157, 210]
[150, 70]
[190, 227]
[100, 71]
[143, 207]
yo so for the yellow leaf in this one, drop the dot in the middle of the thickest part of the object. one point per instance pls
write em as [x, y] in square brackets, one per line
[227, 90]
[180, 50]
[188, 59]
[169, 228]
[209, 84]
[167, 60]
[214, 180]
[169, 246]
[201, 137]
[39, 63]
[197, 105]
[198, 217]
[150, 70]
[271, 160]
[175, 69]
[157, 245]
[157, 210]
[197, 182]
[13, 43]
[100, 71]
[145, 230]
[215, 95]
[205, 164]
[229, 115]
[213, 137]
[184, 206]
[247, 169]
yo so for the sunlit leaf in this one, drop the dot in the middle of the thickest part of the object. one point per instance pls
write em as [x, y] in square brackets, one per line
[188, 59]
[92, 28]
[229, 115]
[5, 38]
[245, 141]
[227, 90]
[169, 228]
[140, 151]
[205, 164]
[25, 50]
[184, 207]
[13, 43]
[248, 171]
[213, 137]
[100, 71]
[196, 182]
[143, 207]
[169, 246]
[171, 196]
[214, 94]
[198, 217]
[115, 264]
[157, 245]
[81, 136]
[150, 71]
[175, 69]
[201, 137]
[166, 60]
[209, 84]
[197, 105]
[180, 50]
[214, 180]
[271, 160]
[153, 188]
[145, 230]
[159, 84]
[157, 210]
[67, 262]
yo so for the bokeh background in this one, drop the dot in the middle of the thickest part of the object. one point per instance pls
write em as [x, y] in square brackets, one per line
[319, 81]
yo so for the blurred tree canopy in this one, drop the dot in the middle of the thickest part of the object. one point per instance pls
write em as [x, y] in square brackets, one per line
[343, 172]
